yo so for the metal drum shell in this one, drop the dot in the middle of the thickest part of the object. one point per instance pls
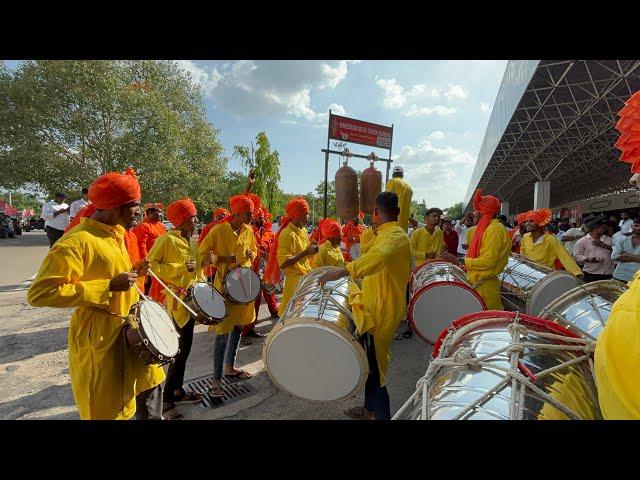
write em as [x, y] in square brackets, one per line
[426, 277]
[347, 203]
[569, 309]
[145, 343]
[252, 274]
[309, 308]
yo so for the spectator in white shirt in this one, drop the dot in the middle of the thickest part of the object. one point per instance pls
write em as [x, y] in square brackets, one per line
[462, 229]
[571, 236]
[627, 254]
[56, 217]
[79, 204]
[625, 223]
[594, 250]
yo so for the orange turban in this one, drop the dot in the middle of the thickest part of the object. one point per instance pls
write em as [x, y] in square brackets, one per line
[255, 199]
[296, 208]
[521, 218]
[180, 211]
[221, 211]
[540, 217]
[241, 204]
[113, 190]
[330, 228]
[629, 128]
[488, 206]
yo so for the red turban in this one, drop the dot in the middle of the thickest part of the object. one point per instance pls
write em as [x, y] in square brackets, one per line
[629, 128]
[241, 204]
[180, 211]
[113, 190]
[296, 208]
[221, 211]
[521, 218]
[330, 228]
[540, 217]
[488, 206]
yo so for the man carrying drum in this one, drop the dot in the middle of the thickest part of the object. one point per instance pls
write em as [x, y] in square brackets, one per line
[89, 269]
[234, 244]
[290, 250]
[329, 253]
[543, 248]
[379, 307]
[488, 252]
[175, 260]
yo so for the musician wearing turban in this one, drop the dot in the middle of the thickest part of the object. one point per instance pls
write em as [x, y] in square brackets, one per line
[219, 214]
[89, 269]
[290, 250]
[329, 253]
[351, 235]
[234, 245]
[174, 258]
[488, 251]
[543, 248]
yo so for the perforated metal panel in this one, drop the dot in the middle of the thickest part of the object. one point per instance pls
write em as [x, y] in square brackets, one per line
[233, 390]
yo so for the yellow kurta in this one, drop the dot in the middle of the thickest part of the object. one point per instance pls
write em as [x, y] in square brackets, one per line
[106, 375]
[380, 306]
[546, 252]
[293, 240]
[423, 243]
[483, 271]
[405, 193]
[617, 358]
[167, 258]
[366, 240]
[328, 256]
[224, 241]
[469, 235]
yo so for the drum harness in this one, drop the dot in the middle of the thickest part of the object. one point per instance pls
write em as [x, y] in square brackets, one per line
[465, 357]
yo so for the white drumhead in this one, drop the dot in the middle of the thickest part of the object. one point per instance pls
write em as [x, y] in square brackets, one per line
[209, 300]
[242, 284]
[433, 309]
[158, 327]
[548, 289]
[313, 362]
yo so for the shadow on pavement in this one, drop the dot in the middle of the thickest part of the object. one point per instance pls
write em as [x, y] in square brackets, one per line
[50, 397]
[16, 347]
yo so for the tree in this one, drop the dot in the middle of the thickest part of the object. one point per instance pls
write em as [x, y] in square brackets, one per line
[456, 211]
[63, 123]
[418, 210]
[22, 200]
[331, 199]
[266, 166]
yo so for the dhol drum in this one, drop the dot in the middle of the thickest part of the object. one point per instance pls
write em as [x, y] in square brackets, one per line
[158, 338]
[497, 365]
[439, 295]
[277, 288]
[313, 352]
[241, 285]
[585, 309]
[206, 299]
[528, 287]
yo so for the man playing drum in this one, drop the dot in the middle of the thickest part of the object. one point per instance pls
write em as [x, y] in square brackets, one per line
[329, 253]
[488, 252]
[379, 307]
[174, 258]
[234, 244]
[543, 248]
[351, 236]
[290, 250]
[89, 269]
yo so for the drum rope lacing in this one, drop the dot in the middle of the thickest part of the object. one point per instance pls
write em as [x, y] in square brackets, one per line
[465, 357]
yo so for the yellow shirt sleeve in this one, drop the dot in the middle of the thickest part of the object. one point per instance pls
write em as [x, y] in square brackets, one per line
[525, 244]
[288, 247]
[417, 245]
[373, 261]
[489, 251]
[565, 258]
[159, 263]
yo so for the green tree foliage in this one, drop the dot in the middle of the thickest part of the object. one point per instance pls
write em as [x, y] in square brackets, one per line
[63, 123]
[456, 211]
[21, 200]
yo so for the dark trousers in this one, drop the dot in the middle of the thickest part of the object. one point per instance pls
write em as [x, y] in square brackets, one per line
[53, 234]
[149, 404]
[376, 398]
[594, 277]
[175, 373]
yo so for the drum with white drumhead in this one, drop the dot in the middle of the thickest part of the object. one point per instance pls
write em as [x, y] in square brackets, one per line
[206, 299]
[314, 352]
[241, 285]
[158, 335]
[440, 294]
[528, 287]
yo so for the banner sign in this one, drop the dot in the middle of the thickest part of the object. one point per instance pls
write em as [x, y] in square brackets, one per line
[357, 131]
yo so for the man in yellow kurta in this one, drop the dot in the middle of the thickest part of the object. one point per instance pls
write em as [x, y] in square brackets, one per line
[543, 248]
[329, 253]
[175, 259]
[488, 252]
[428, 242]
[366, 239]
[290, 251]
[379, 307]
[89, 268]
[234, 245]
[400, 187]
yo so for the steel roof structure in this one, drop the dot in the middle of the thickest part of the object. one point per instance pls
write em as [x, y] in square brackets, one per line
[553, 120]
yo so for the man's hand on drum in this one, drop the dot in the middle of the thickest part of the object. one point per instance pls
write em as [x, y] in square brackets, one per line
[312, 249]
[141, 267]
[191, 266]
[123, 282]
[332, 276]
[233, 258]
[202, 318]
[210, 258]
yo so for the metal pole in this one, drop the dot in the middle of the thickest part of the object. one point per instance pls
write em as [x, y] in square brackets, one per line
[389, 162]
[326, 166]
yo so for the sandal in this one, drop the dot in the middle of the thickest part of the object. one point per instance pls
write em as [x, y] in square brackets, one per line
[245, 341]
[172, 414]
[216, 392]
[240, 375]
[359, 413]
[190, 397]
[254, 334]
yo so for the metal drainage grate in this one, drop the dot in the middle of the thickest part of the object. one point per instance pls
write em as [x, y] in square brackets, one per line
[232, 391]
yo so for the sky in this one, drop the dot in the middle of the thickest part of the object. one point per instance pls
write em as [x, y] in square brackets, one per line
[439, 110]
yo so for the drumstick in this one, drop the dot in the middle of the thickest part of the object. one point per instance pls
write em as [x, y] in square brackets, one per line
[241, 284]
[173, 294]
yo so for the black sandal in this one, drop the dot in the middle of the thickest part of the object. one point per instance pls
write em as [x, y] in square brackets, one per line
[172, 414]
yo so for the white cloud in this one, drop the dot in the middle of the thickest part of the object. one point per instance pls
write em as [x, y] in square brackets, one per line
[208, 80]
[456, 91]
[335, 108]
[415, 111]
[437, 135]
[484, 107]
[394, 96]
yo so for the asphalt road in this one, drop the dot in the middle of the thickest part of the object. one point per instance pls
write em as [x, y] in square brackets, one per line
[20, 257]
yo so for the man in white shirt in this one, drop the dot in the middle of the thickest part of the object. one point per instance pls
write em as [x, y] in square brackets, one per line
[56, 217]
[625, 223]
[571, 236]
[79, 204]
[463, 228]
